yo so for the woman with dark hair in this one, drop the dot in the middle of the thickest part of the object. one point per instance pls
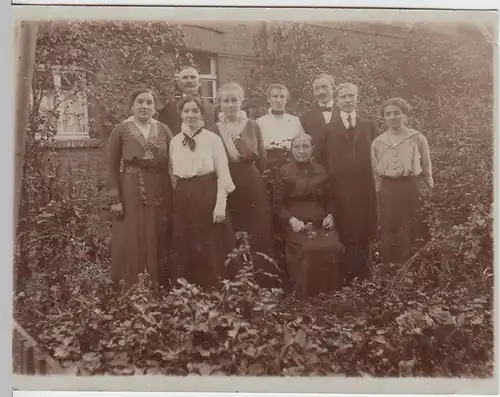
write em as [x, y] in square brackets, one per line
[249, 205]
[139, 190]
[202, 233]
[401, 162]
[303, 202]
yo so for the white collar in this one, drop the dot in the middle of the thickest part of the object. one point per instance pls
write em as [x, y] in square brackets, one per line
[344, 115]
[151, 121]
[328, 104]
[184, 94]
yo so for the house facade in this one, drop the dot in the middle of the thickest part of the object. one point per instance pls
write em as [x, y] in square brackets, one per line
[222, 51]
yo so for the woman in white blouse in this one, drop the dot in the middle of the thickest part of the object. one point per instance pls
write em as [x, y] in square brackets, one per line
[202, 235]
[278, 127]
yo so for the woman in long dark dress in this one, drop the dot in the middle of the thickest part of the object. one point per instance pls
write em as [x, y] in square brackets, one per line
[401, 163]
[303, 203]
[139, 192]
[202, 233]
[248, 205]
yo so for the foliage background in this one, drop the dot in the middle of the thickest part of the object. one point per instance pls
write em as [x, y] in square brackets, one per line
[432, 318]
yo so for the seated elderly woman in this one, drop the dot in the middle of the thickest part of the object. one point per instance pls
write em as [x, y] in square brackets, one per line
[305, 204]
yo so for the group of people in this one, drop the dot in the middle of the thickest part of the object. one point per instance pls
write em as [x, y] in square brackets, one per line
[181, 185]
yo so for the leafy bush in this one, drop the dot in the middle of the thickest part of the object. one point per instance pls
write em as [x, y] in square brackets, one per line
[92, 327]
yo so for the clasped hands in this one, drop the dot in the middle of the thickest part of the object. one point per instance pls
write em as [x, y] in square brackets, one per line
[297, 225]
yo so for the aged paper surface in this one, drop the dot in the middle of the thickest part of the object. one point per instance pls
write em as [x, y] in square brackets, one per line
[224, 45]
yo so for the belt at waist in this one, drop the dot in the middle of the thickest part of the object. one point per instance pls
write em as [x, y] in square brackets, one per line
[400, 178]
[136, 169]
[241, 162]
[194, 178]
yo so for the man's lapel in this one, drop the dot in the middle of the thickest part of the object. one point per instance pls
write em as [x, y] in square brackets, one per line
[318, 114]
[347, 135]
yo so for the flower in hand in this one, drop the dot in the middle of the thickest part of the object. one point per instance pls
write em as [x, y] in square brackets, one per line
[328, 222]
[296, 224]
[310, 232]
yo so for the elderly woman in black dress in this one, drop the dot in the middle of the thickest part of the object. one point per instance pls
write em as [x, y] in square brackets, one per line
[249, 206]
[304, 203]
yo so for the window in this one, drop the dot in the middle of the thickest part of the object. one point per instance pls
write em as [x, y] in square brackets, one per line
[63, 90]
[207, 67]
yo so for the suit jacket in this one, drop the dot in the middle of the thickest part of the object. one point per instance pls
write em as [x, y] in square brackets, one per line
[313, 121]
[346, 156]
[171, 116]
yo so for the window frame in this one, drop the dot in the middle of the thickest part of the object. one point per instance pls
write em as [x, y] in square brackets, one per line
[62, 95]
[211, 78]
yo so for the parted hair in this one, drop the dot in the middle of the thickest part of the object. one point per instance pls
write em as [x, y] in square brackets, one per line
[344, 85]
[230, 87]
[302, 135]
[138, 91]
[278, 86]
[326, 76]
[191, 98]
[396, 101]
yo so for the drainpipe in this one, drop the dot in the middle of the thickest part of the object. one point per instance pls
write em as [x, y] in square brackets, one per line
[25, 39]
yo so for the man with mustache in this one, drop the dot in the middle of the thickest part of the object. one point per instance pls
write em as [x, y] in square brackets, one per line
[343, 148]
[320, 114]
[189, 84]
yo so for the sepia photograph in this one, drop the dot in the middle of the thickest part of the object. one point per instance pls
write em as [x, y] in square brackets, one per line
[255, 194]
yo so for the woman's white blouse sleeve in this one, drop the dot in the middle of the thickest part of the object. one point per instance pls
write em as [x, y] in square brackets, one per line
[225, 183]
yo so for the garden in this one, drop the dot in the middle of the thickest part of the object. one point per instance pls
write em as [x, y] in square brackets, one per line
[431, 317]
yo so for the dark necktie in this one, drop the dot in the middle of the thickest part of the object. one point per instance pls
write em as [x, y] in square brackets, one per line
[278, 112]
[326, 108]
[349, 125]
[189, 140]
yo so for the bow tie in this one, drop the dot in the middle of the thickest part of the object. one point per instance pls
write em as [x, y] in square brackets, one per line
[278, 112]
[189, 140]
[326, 108]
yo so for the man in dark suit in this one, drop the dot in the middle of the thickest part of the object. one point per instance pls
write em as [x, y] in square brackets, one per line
[321, 112]
[343, 148]
[189, 84]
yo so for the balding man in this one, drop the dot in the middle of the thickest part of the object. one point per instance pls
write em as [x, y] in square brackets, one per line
[189, 84]
[321, 112]
[343, 148]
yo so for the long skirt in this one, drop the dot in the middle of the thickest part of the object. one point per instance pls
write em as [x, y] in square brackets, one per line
[313, 263]
[357, 261]
[137, 239]
[399, 223]
[199, 246]
[250, 211]
[276, 159]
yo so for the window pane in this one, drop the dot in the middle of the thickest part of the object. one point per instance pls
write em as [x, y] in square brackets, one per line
[72, 118]
[71, 81]
[44, 80]
[203, 63]
[207, 89]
